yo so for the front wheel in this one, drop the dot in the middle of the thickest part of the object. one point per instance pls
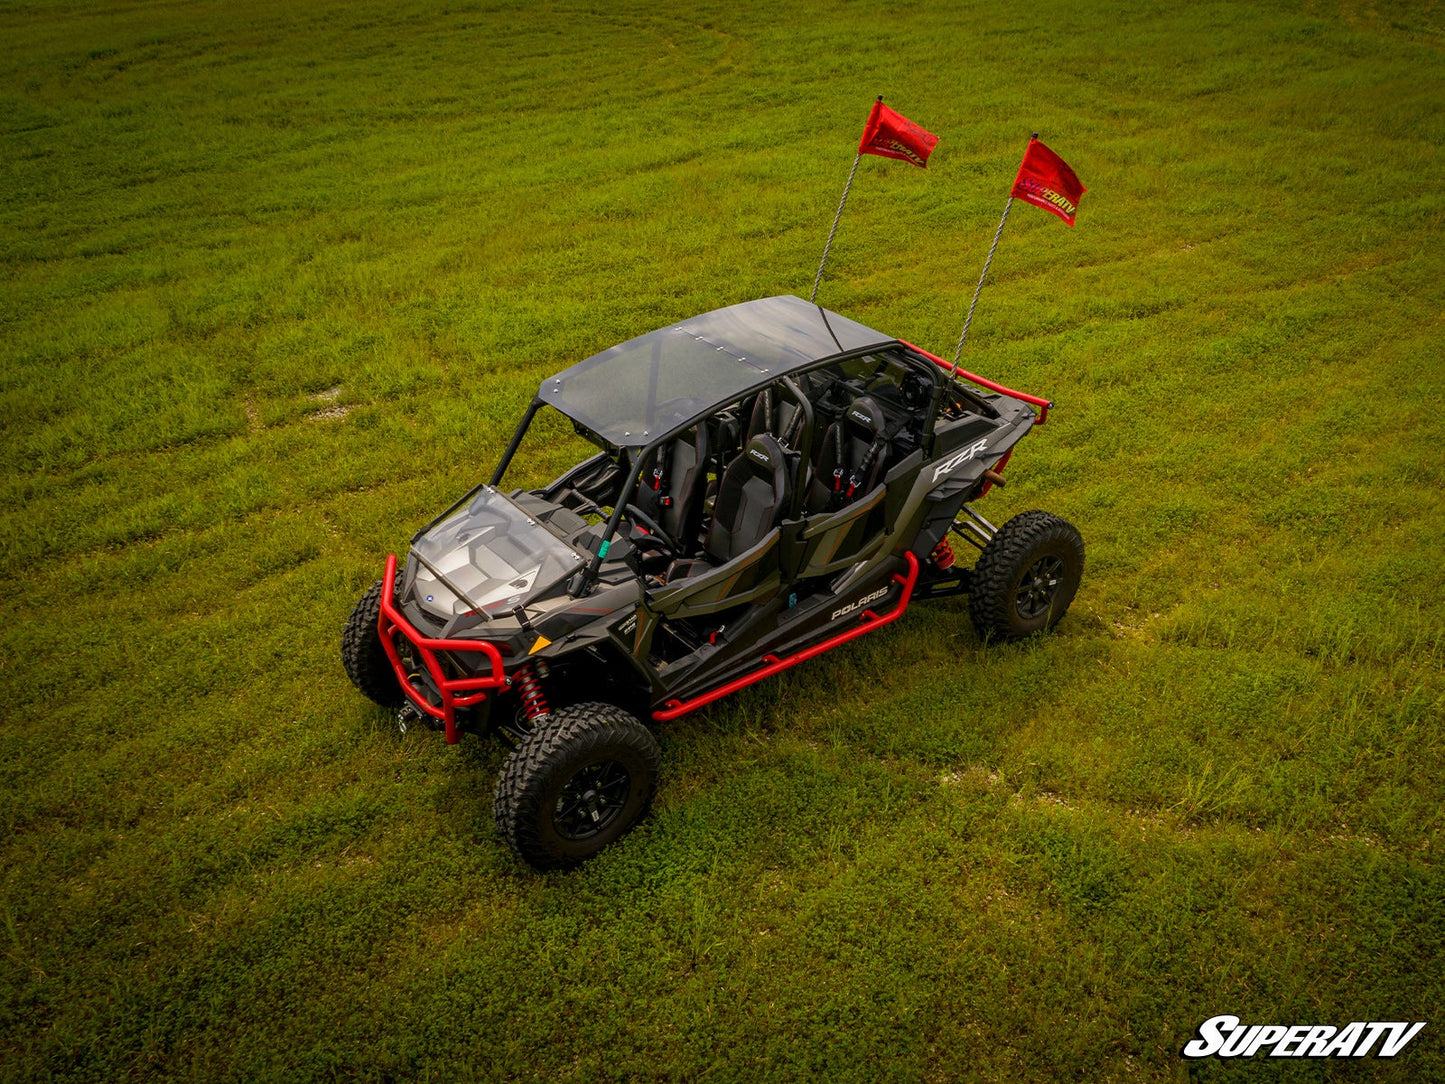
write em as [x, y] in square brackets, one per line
[363, 656]
[583, 777]
[1026, 576]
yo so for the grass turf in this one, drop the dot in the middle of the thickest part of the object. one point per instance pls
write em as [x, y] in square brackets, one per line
[277, 282]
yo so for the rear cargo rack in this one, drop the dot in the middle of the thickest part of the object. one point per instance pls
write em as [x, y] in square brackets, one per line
[473, 690]
[984, 382]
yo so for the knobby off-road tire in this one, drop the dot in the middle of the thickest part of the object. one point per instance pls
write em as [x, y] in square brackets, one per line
[583, 777]
[1026, 576]
[363, 656]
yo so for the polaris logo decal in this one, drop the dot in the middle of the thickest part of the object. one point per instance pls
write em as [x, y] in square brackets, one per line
[1226, 1037]
[959, 458]
[864, 601]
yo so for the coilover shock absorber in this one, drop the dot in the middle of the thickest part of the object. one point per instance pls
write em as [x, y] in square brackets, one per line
[528, 684]
[943, 554]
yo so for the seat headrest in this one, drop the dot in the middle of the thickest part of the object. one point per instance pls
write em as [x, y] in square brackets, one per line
[765, 457]
[863, 419]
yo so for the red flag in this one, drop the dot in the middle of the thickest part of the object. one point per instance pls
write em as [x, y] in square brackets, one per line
[892, 135]
[1046, 181]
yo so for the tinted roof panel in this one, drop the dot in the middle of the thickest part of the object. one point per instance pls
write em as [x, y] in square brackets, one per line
[646, 387]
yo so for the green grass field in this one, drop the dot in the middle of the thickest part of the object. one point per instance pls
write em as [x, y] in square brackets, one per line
[277, 281]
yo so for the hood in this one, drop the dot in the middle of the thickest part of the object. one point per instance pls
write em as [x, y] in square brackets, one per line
[490, 556]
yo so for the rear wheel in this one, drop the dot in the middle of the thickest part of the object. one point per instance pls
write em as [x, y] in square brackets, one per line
[1026, 576]
[580, 780]
[363, 656]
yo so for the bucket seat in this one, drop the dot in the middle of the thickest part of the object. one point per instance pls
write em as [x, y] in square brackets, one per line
[670, 490]
[851, 457]
[752, 497]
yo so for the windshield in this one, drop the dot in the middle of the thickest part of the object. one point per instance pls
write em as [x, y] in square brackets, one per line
[493, 554]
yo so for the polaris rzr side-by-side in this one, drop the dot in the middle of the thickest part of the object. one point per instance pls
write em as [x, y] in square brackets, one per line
[772, 480]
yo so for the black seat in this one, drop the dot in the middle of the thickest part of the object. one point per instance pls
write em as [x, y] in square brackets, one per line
[775, 415]
[752, 497]
[851, 458]
[670, 491]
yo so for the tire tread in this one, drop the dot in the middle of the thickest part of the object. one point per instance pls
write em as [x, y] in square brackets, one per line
[990, 602]
[363, 656]
[566, 733]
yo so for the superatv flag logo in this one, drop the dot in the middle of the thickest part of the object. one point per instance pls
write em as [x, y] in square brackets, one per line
[1046, 181]
[889, 134]
[1226, 1037]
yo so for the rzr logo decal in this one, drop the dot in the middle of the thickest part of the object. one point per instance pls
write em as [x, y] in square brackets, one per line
[1226, 1037]
[959, 458]
[864, 601]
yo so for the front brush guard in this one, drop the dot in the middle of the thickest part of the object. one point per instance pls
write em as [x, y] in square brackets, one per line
[455, 692]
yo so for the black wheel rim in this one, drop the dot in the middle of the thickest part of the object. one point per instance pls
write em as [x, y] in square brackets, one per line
[1039, 586]
[591, 800]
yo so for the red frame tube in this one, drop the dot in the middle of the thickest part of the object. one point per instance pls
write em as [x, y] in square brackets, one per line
[983, 382]
[392, 621]
[870, 621]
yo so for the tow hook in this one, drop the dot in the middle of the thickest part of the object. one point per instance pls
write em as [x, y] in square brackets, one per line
[405, 714]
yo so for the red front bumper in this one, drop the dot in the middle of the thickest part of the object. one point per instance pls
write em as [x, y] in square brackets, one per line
[455, 692]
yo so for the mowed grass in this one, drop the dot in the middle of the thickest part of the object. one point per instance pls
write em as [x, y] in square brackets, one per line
[278, 279]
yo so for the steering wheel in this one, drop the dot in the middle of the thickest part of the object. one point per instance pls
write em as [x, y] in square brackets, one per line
[654, 530]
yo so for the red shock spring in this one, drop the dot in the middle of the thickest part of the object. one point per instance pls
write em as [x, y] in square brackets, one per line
[943, 554]
[529, 691]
